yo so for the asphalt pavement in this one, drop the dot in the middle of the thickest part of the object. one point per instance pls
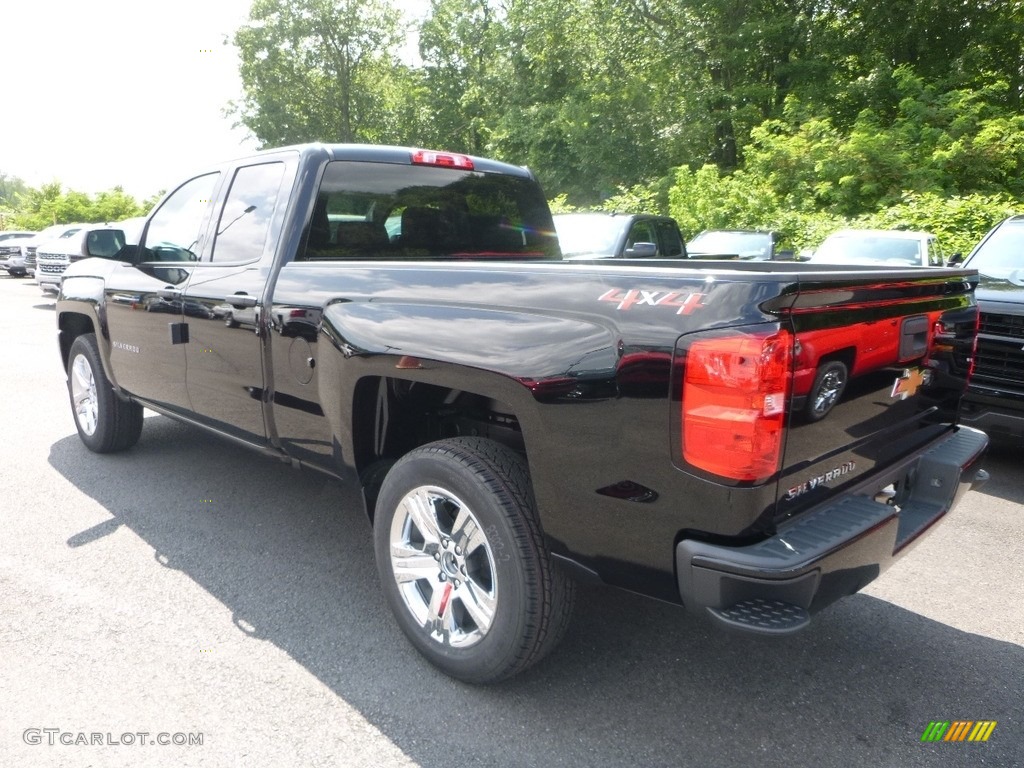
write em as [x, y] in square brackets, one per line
[188, 603]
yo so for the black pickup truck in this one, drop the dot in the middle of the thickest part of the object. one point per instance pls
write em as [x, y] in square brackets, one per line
[995, 398]
[402, 319]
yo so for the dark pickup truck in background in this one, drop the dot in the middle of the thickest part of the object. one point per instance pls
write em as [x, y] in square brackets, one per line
[402, 319]
[995, 398]
[618, 236]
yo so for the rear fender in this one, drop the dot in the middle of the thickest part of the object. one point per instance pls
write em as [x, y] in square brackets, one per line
[520, 359]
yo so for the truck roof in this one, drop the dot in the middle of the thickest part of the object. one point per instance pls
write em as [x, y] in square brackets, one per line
[383, 153]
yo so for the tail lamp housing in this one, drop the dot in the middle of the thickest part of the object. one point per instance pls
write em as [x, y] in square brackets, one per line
[734, 390]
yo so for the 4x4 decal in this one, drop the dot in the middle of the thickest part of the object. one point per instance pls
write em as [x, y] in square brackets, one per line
[685, 302]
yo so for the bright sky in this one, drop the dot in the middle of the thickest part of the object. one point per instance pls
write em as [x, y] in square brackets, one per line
[111, 92]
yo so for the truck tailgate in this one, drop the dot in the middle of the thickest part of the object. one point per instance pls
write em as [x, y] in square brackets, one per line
[880, 363]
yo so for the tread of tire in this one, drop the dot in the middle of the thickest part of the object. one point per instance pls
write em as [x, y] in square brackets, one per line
[558, 591]
[127, 416]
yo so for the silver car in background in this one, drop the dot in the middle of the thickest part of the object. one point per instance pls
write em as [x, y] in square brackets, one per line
[880, 247]
[30, 247]
[11, 257]
[55, 256]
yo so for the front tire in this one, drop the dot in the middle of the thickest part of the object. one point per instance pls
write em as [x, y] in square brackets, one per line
[105, 422]
[463, 563]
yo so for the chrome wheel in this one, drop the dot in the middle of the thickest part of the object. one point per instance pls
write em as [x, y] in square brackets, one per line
[83, 395]
[829, 384]
[443, 566]
[106, 421]
[829, 391]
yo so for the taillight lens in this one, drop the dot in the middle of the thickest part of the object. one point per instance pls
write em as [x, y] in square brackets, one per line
[735, 390]
[974, 346]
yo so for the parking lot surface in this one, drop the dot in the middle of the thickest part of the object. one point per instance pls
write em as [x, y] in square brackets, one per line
[188, 591]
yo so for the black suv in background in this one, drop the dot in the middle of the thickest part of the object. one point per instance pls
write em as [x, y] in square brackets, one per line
[618, 236]
[995, 397]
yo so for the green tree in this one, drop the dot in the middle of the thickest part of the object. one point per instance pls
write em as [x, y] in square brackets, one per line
[115, 205]
[38, 208]
[742, 58]
[320, 70]
[11, 187]
[568, 97]
[459, 49]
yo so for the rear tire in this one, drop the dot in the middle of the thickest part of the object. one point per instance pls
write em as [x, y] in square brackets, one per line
[105, 422]
[828, 387]
[463, 562]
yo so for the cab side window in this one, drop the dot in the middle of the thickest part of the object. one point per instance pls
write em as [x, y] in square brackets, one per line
[175, 232]
[641, 232]
[671, 240]
[244, 222]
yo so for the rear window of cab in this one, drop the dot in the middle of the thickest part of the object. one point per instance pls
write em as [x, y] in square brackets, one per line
[386, 211]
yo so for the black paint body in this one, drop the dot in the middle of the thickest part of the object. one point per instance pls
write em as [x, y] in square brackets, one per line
[343, 365]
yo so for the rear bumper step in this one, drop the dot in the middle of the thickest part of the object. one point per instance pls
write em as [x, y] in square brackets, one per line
[774, 586]
[772, 617]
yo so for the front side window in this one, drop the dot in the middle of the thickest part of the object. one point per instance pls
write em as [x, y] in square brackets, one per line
[1002, 253]
[175, 232]
[384, 211]
[671, 241]
[641, 232]
[245, 220]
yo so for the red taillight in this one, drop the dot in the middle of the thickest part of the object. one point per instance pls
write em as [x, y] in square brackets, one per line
[443, 159]
[734, 404]
[974, 347]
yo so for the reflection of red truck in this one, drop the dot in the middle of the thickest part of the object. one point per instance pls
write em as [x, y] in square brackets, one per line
[826, 359]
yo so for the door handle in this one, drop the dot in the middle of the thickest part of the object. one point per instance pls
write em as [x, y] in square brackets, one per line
[241, 300]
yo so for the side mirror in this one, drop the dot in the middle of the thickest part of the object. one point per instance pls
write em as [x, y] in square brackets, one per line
[104, 243]
[956, 258]
[642, 251]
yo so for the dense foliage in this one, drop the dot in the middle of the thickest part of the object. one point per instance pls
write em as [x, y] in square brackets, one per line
[800, 115]
[33, 209]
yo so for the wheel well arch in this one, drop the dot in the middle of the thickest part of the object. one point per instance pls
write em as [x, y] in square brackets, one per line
[392, 416]
[71, 326]
[847, 356]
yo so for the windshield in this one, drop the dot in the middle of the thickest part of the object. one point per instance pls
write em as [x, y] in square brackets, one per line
[865, 248]
[750, 245]
[1002, 253]
[586, 234]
